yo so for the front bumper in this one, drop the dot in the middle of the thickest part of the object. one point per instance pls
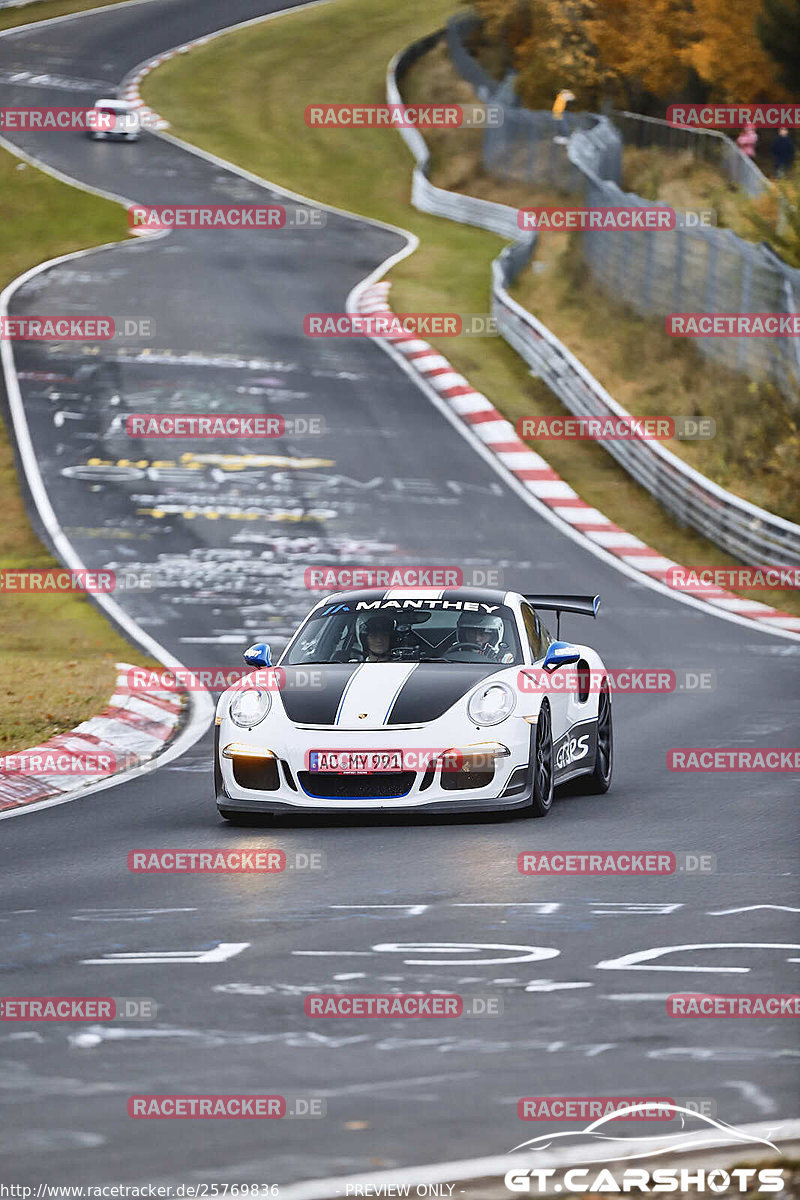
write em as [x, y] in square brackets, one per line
[509, 788]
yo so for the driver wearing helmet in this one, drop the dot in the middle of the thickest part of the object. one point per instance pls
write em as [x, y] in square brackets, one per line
[377, 635]
[478, 632]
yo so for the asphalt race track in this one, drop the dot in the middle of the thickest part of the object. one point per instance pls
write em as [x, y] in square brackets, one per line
[425, 904]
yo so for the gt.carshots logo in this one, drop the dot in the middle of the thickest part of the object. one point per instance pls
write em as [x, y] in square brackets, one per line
[581, 1180]
[696, 1133]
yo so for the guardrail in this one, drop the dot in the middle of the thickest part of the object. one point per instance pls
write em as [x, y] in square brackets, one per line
[707, 144]
[693, 268]
[742, 529]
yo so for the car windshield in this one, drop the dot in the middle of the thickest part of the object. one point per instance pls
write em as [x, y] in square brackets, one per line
[407, 631]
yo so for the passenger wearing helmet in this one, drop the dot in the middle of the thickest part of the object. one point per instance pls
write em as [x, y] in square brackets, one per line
[478, 632]
[377, 634]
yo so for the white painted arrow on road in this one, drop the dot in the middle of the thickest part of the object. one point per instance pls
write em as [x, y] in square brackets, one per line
[220, 953]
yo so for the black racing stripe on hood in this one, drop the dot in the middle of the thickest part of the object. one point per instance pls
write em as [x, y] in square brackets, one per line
[311, 694]
[433, 687]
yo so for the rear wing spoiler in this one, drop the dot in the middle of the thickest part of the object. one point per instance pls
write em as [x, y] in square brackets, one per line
[587, 606]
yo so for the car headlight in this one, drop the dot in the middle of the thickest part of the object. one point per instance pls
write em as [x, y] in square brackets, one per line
[491, 704]
[249, 707]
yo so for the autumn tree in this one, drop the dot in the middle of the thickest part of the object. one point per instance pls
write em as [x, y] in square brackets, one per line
[728, 54]
[778, 30]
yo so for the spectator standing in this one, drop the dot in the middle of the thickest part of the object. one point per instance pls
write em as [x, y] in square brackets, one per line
[782, 153]
[748, 140]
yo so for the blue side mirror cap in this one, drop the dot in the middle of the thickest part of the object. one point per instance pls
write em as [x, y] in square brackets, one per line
[560, 654]
[258, 655]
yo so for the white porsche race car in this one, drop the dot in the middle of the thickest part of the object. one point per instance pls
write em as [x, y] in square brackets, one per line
[452, 701]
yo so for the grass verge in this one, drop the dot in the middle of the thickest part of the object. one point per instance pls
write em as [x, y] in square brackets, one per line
[57, 653]
[756, 451]
[44, 9]
[272, 72]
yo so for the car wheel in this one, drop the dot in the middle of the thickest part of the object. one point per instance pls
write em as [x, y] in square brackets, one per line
[542, 796]
[599, 781]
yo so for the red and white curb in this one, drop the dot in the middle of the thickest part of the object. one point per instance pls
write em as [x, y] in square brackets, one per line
[131, 731]
[130, 85]
[534, 473]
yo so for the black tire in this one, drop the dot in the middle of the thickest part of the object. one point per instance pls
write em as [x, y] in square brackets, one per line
[599, 781]
[542, 794]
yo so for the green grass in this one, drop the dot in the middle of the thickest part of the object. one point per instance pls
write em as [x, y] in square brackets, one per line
[339, 53]
[57, 653]
[12, 17]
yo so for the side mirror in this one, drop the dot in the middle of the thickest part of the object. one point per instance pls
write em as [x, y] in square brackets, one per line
[560, 654]
[258, 655]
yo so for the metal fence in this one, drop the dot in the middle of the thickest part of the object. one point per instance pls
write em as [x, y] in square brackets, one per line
[706, 145]
[749, 533]
[700, 269]
[697, 270]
